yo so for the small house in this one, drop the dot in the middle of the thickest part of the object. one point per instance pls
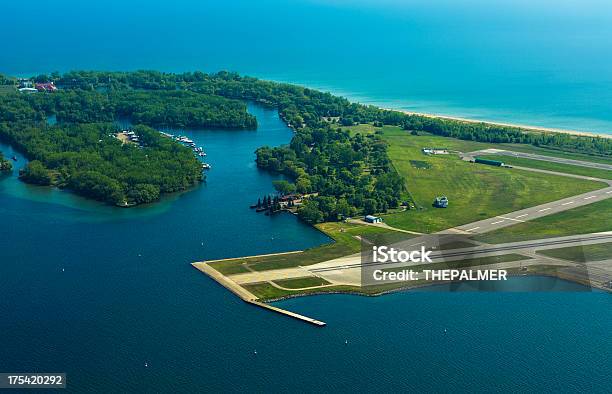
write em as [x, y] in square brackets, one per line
[373, 219]
[46, 87]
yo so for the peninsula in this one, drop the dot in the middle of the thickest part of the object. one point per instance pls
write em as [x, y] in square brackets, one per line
[345, 162]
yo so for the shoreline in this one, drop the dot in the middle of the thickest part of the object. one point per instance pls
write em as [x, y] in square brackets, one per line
[359, 99]
[526, 128]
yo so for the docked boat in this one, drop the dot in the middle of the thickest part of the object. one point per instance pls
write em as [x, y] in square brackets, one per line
[206, 166]
[184, 139]
[201, 154]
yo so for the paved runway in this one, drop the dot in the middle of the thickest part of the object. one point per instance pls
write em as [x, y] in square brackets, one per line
[538, 211]
[531, 213]
[534, 156]
[347, 269]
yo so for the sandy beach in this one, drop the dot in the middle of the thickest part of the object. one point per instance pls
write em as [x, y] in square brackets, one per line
[522, 126]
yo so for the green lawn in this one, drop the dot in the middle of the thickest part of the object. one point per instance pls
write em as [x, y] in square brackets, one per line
[265, 291]
[475, 191]
[469, 146]
[345, 244]
[299, 283]
[421, 141]
[596, 217]
[581, 254]
[546, 165]
[552, 152]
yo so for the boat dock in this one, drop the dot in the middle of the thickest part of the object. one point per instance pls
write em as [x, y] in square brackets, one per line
[249, 297]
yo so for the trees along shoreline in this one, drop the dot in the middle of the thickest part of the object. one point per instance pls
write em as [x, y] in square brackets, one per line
[346, 174]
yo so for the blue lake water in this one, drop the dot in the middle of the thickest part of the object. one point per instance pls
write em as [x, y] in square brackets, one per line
[97, 291]
[542, 62]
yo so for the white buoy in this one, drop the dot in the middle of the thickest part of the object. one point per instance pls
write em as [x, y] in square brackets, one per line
[146, 365]
[346, 341]
[254, 351]
[63, 270]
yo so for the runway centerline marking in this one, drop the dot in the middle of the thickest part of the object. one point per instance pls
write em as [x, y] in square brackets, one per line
[522, 216]
[516, 220]
[588, 198]
[501, 221]
[568, 203]
[472, 229]
[545, 209]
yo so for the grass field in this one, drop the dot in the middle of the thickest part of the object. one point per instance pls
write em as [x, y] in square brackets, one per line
[596, 217]
[299, 283]
[581, 254]
[552, 152]
[475, 191]
[546, 165]
[265, 291]
[345, 244]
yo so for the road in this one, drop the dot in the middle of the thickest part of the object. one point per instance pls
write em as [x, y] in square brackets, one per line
[348, 270]
[538, 211]
[532, 213]
[534, 156]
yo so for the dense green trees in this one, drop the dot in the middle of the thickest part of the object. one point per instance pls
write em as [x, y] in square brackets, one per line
[302, 107]
[4, 80]
[344, 174]
[5, 165]
[178, 109]
[36, 173]
[87, 159]
[284, 187]
[349, 174]
[182, 109]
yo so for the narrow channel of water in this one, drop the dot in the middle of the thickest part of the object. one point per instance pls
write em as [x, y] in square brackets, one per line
[98, 292]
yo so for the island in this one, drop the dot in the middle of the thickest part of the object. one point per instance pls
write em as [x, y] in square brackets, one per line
[5, 165]
[357, 172]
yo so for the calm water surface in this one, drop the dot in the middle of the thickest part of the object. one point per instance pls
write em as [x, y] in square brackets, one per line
[543, 62]
[97, 292]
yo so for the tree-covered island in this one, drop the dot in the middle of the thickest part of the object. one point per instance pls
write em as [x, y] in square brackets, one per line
[343, 173]
[5, 165]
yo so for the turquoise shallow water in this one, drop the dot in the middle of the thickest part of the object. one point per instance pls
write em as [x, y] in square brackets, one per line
[127, 295]
[541, 62]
